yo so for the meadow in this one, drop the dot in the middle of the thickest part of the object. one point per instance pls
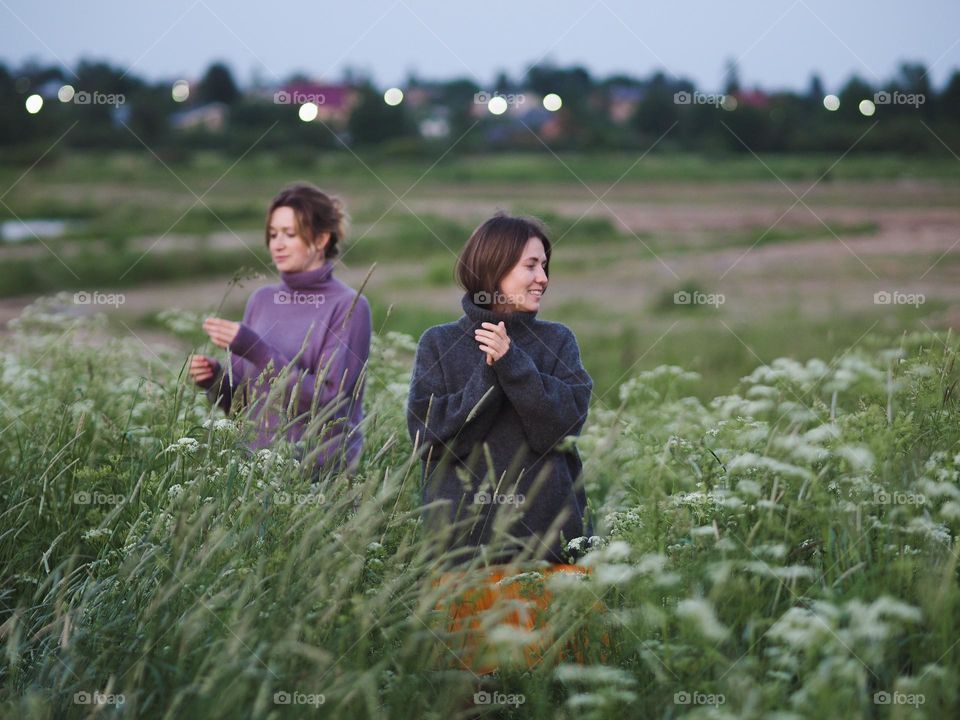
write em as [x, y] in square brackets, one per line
[775, 478]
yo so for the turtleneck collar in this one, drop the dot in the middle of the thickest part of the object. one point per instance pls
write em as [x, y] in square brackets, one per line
[308, 279]
[475, 314]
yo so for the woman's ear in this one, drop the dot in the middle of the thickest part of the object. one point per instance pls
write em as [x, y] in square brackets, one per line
[320, 242]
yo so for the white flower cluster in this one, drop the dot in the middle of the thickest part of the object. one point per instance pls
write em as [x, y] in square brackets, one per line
[184, 446]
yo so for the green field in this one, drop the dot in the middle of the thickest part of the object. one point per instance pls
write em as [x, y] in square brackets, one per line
[619, 221]
[775, 478]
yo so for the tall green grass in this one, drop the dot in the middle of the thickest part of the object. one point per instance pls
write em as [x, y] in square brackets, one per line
[786, 549]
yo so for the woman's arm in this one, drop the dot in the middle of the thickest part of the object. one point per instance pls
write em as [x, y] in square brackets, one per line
[222, 387]
[219, 389]
[550, 406]
[342, 357]
[456, 421]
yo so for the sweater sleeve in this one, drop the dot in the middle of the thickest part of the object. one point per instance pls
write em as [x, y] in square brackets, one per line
[551, 406]
[457, 421]
[219, 389]
[342, 357]
[223, 386]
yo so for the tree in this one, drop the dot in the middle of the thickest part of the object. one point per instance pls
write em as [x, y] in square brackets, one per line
[815, 93]
[913, 79]
[852, 93]
[373, 121]
[574, 84]
[949, 100]
[658, 111]
[217, 85]
[731, 78]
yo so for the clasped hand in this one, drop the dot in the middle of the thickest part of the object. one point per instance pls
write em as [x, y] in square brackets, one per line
[493, 340]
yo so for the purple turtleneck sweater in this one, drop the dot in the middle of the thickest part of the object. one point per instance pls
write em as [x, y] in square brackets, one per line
[313, 311]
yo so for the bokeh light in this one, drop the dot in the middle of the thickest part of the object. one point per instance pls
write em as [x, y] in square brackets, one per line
[552, 102]
[34, 103]
[393, 96]
[308, 112]
[181, 91]
[497, 105]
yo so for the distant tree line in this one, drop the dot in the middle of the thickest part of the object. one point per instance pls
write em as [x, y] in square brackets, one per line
[911, 116]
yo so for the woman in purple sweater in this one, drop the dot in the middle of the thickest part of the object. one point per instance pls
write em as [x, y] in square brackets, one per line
[311, 323]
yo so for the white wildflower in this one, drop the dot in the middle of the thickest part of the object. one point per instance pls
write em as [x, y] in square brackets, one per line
[186, 445]
[822, 433]
[594, 675]
[936, 532]
[801, 450]
[806, 628]
[701, 614]
[96, 533]
[859, 456]
[749, 487]
[749, 461]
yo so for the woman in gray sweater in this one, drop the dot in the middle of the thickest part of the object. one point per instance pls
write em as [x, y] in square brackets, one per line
[492, 397]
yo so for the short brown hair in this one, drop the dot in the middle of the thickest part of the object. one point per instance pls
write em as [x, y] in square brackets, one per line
[494, 248]
[314, 213]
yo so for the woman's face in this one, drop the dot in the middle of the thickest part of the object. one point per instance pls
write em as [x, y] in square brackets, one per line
[289, 251]
[522, 287]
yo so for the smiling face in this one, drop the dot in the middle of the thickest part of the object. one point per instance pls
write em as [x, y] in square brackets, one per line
[523, 286]
[291, 252]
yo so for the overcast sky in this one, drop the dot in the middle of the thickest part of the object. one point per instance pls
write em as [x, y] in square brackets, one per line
[778, 43]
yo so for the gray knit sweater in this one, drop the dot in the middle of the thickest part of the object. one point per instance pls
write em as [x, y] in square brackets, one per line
[488, 435]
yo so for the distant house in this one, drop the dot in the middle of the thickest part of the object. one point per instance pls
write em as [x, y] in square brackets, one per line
[211, 117]
[421, 96]
[516, 126]
[622, 102]
[426, 105]
[752, 98]
[520, 103]
[435, 122]
[334, 102]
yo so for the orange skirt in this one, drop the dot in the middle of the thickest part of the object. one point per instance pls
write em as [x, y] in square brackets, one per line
[520, 604]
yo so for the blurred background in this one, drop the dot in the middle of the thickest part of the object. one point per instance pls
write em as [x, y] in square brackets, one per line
[722, 186]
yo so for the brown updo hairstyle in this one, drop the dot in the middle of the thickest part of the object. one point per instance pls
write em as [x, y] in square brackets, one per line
[314, 213]
[494, 248]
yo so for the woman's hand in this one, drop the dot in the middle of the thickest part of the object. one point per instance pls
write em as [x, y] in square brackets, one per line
[221, 332]
[493, 340]
[201, 368]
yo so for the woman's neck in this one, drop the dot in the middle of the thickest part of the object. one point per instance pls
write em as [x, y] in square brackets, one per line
[315, 265]
[311, 278]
